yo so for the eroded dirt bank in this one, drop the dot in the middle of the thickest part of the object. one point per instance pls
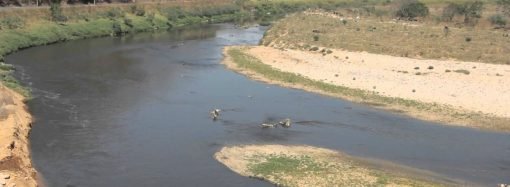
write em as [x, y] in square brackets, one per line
[15, 123]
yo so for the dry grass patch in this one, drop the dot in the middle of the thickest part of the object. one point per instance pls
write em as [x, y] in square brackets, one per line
[393, 38]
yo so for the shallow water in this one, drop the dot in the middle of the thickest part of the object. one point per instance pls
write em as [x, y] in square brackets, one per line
[133, 111]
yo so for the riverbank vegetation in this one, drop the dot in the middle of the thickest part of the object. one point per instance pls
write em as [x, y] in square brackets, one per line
[309, 166]
[18, 33]
[456, 31]
[22, 28]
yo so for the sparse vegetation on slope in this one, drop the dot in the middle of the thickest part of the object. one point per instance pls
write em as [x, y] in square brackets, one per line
[397, 39]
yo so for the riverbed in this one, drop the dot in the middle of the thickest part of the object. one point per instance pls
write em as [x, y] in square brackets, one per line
[133, 111]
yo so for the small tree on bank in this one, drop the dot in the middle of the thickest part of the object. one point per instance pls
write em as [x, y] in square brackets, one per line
[472, 11]
[412, 9]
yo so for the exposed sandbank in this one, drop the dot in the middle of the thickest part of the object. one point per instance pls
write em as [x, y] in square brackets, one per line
[311, 166]
[477, 99]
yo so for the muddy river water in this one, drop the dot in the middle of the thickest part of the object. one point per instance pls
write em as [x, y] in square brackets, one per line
[133, 111]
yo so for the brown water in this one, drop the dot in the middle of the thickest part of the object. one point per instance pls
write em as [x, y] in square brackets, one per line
[133, 111]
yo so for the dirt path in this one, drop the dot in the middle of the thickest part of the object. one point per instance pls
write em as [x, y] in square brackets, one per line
[465, 85]
[15, 123]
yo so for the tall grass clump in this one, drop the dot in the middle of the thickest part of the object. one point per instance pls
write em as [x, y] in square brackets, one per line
[11, 22]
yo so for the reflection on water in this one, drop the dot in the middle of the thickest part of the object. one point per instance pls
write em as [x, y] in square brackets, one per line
[133, 111]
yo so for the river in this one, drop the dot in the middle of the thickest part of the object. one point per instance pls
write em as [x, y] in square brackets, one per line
[133, 111]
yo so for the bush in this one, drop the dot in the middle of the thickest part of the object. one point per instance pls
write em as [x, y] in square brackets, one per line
[128, 22]
[472, 11]
[138, 11]
[117, 29]
[56, 12]
[174, 13]
[450, 11]
[498, 20]
[316, 38]
[12, 23]
[412, 9]
[114, 13]
[505, 5]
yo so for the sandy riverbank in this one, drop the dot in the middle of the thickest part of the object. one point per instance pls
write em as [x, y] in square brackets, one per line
[312, 166]
[15, 124]
[461, 93]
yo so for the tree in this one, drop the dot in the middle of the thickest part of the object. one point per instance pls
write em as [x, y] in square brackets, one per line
[472, 11]
[450, 11]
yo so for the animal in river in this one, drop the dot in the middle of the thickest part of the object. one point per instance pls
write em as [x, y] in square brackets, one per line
[268, 125]
[215, 114]
[285, 123]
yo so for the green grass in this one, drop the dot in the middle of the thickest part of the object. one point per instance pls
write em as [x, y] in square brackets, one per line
[286, 164]
[299, 170]
[447, 113]
[43, 32]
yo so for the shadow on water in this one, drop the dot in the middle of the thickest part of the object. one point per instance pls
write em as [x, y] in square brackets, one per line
[133, 111]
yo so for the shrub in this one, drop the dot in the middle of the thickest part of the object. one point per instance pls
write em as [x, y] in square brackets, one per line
[314, 49]
[498, 20]
[117, 29]
[12, 23]
[138, 11]
[505, 5]
[472, 11]
[114, 13]
[412, 9]
[316, 38]
[450, 11]
[128, 22]
[56, 12]
[174, 13]
[468, 39]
